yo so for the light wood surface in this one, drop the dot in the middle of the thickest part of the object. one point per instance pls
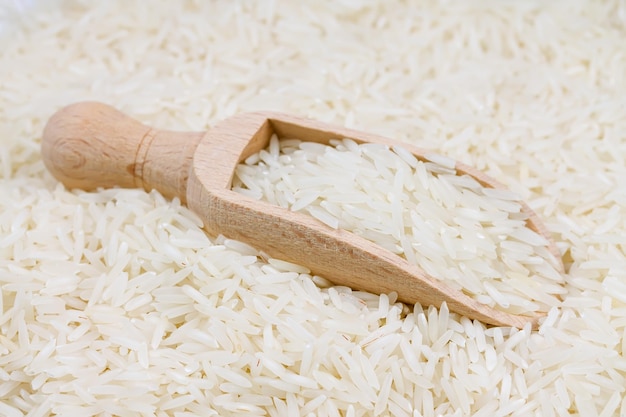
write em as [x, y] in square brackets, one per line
[90, 145]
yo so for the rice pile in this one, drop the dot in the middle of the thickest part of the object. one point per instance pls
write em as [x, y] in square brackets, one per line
[117, 303]
[473, 237]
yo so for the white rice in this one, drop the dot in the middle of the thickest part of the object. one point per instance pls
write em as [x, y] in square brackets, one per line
[474, 238]
[117, 303]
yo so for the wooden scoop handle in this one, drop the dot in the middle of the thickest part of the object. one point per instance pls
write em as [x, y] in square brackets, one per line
[90, 145]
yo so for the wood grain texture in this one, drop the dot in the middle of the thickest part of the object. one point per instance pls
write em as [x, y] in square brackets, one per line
[90, 145]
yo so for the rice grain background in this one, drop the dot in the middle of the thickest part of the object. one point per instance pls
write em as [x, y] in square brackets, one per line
[116, 302]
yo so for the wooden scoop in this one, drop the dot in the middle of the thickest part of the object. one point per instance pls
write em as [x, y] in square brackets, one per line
[90, 145]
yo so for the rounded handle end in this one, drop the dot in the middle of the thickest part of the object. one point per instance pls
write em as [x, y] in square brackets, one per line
[89, 145]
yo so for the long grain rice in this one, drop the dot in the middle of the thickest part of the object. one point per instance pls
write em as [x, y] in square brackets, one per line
[473, 237]
[116, 303]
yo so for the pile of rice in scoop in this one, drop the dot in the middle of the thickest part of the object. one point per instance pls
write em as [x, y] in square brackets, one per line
[472, 237]
[116, 303]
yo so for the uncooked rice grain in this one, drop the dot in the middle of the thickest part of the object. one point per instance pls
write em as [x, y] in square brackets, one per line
[473, 237]
[115, 302]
